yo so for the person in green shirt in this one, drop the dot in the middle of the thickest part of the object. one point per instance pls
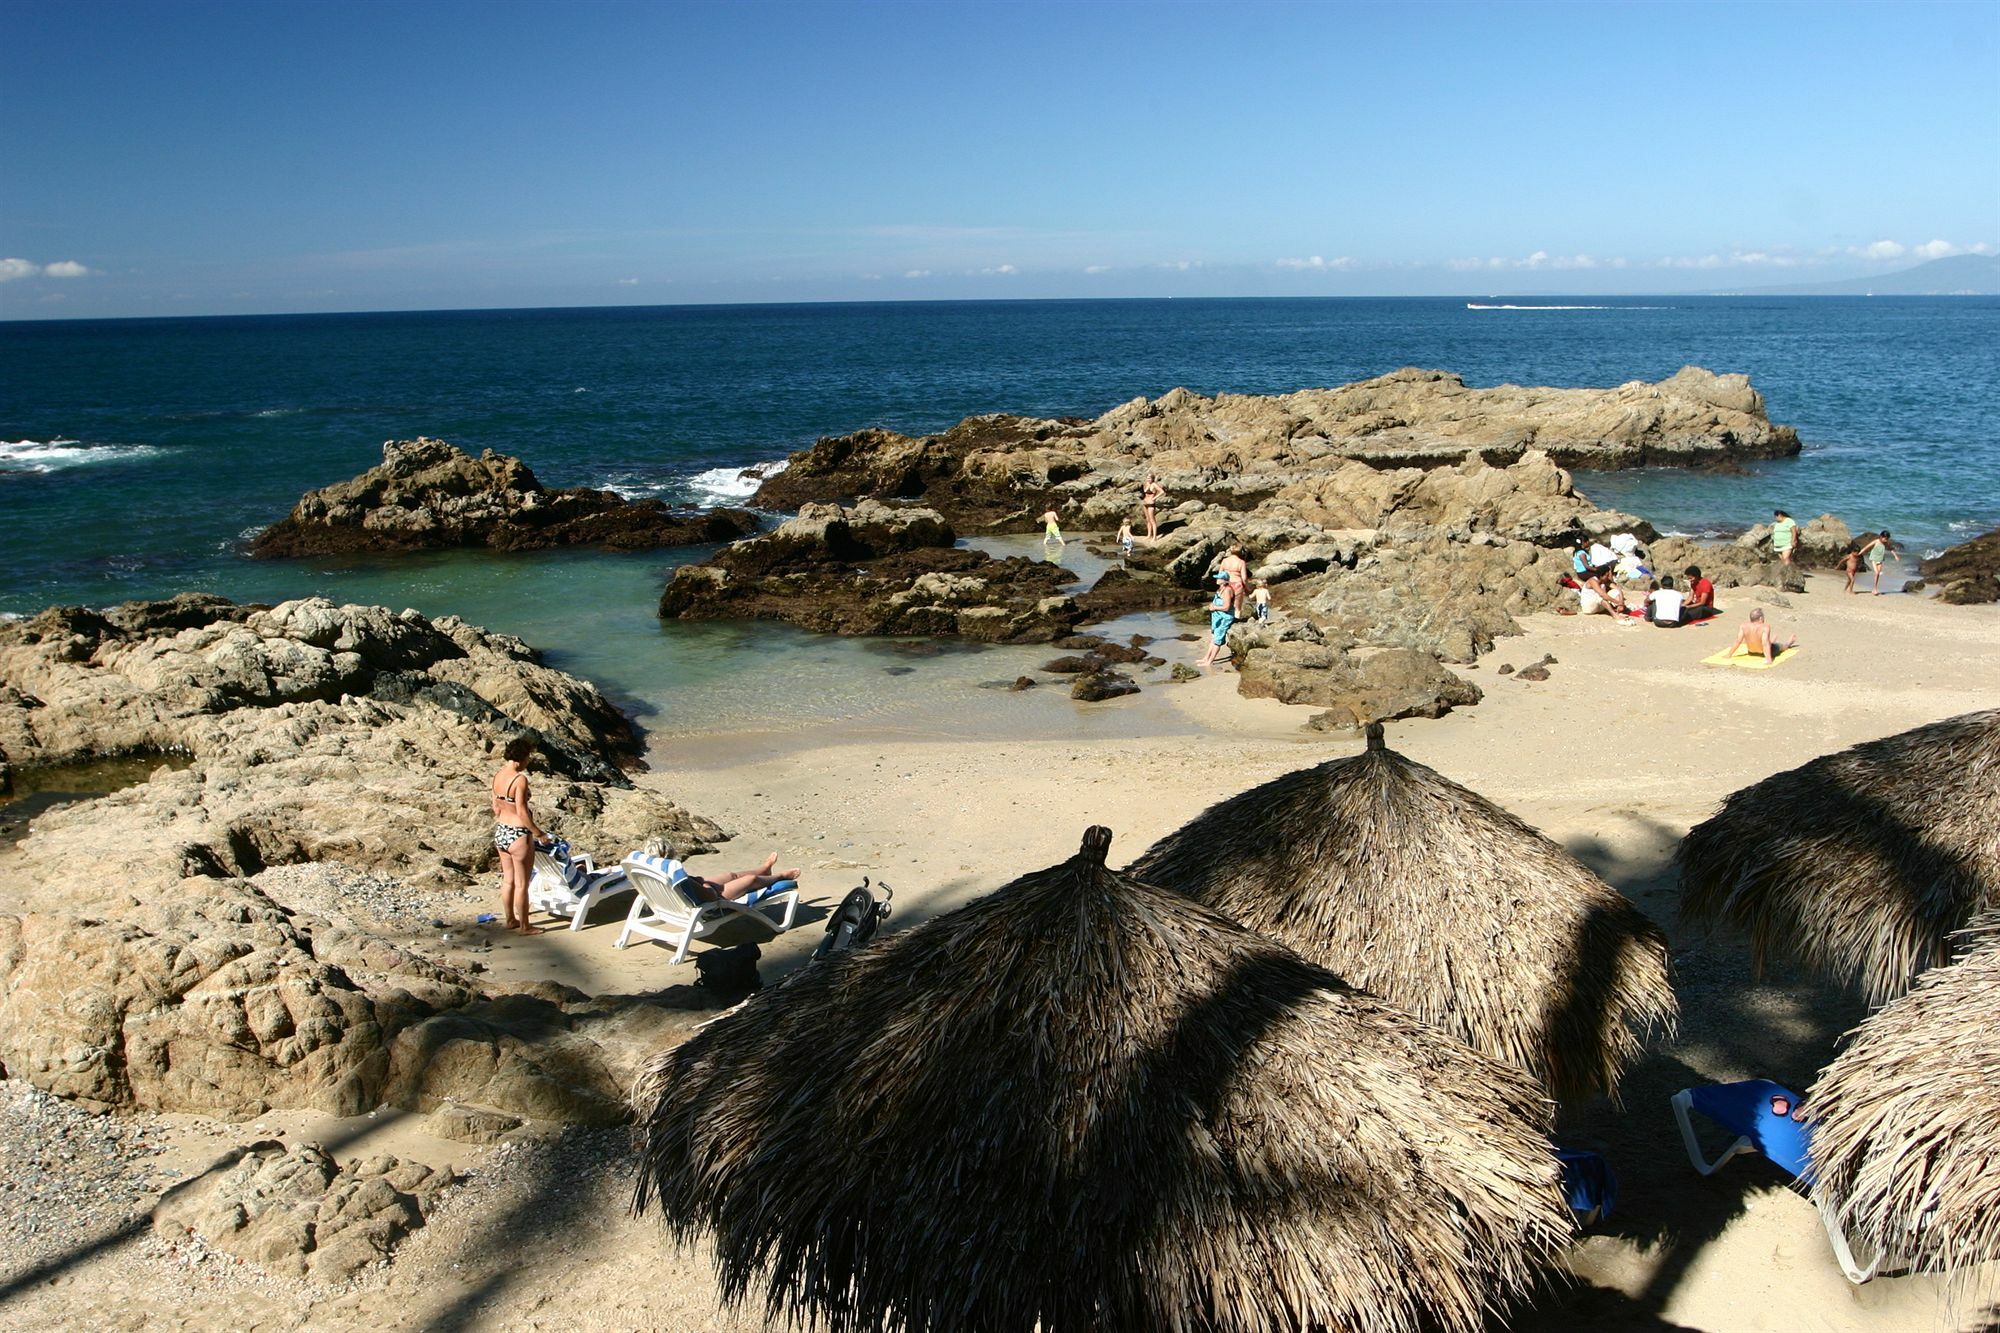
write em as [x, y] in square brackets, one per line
[1784, 535]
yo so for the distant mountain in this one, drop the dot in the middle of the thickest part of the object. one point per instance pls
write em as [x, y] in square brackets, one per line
[1958, 275]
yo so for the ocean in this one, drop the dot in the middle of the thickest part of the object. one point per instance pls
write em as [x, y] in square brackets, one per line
[137, 455]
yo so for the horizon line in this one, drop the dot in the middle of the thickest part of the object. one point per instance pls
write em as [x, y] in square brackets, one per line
[1006, 300]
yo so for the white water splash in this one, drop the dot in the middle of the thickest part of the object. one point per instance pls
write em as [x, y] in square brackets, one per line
[56, 455]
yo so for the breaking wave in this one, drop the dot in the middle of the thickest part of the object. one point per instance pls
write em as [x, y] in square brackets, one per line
[56, 455]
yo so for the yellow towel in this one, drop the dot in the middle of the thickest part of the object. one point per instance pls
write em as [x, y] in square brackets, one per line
[1750, 661]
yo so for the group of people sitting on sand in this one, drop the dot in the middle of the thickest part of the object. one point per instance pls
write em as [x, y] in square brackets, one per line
[1601, 571]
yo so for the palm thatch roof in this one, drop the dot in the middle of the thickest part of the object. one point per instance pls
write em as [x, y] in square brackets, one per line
[1424, 892]
[1860, 864]
[1086, 1103]
[1906, 1132]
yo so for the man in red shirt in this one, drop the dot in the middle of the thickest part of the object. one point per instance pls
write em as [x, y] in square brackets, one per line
[1699, 604]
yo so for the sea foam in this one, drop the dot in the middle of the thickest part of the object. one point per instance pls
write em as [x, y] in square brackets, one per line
[55, 455]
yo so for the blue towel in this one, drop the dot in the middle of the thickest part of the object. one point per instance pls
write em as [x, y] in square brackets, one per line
[769, 891]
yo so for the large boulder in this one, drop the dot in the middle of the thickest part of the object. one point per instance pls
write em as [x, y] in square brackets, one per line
[1366, 685]
[1821, 542]
[429, 494]
[1968, 573]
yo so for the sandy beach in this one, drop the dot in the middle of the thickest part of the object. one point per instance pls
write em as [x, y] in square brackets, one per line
[1627, 744]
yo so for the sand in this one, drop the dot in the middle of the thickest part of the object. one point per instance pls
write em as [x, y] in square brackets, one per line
[1627, 744]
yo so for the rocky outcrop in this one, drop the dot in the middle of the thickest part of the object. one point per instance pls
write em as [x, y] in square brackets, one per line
[872, 569]
[998, 472]
[1355, 685]
[317, 732]
[428, 494]
[1968, 573]
[295, 1212]
[140, 969]
[208, 996]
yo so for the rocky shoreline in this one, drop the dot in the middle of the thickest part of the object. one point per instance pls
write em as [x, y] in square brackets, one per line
[146, 964]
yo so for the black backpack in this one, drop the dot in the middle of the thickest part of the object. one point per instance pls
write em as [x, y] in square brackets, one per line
[853, 923]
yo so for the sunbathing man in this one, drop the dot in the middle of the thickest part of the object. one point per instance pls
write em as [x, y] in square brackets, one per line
[1755, 636]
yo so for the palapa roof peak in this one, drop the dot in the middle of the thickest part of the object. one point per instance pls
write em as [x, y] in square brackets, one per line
[1906, 1132]
[1084, 1102]
[1409, 885]
[1863, 863]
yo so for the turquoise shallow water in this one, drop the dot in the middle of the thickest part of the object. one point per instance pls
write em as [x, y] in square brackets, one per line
[136, 455]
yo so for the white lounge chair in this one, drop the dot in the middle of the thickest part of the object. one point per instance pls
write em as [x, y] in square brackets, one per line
[570, 884]
[666, 910]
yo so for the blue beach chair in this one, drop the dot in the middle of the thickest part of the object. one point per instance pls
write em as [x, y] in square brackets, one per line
[1744, 1109]
[1588, 1185]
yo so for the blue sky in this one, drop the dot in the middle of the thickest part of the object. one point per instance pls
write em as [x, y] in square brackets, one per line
[194, 158]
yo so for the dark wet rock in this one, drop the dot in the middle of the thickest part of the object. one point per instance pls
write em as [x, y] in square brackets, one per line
[875, 570]
[1967, 574]
[428, 494]
[1102, 685]
[1120, 592]
[1022, 683]
[1075, 665]
[1099, 646]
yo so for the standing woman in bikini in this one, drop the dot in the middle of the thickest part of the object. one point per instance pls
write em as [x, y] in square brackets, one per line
[515, 834]
[1149, 500]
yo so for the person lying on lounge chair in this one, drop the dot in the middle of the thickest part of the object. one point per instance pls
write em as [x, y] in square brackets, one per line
[734, 884]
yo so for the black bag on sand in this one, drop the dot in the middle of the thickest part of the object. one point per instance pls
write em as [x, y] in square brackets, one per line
[853, 922]
[731, 970]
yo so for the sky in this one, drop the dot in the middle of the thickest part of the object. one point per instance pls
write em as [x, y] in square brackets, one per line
[224, 158]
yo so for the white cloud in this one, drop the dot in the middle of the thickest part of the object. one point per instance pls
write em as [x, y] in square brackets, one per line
[918, 273]
[1884, 250]
[1945, 249]
[1179, 265]
[1097, 268]
[10, 269]
[1000, 270]
[628, 282]
[1318, 262]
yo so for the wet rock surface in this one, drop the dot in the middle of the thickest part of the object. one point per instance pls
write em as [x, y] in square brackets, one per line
[1966, 574]
[874, 569]
[428, 494]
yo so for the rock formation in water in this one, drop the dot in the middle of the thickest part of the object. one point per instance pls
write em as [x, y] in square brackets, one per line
[1967, 574]
[872, 569]
[995, 473]
[139, 967]
[428, 494]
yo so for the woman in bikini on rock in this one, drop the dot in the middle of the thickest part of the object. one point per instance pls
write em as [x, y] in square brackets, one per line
[515, 833]
[1149, 501]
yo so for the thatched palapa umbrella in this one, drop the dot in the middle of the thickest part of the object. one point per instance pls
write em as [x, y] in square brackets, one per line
[1906, 1133]
[1086, 1103]
[1861, 864]
[1424, 892]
